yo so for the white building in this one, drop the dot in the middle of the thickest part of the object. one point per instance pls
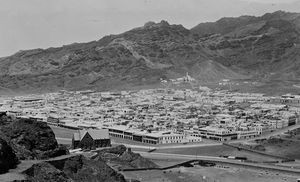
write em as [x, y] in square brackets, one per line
[150, 137]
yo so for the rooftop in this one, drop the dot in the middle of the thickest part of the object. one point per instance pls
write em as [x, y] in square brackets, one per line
[95, 134]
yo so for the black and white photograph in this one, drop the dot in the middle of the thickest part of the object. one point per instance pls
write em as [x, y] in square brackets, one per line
[149, 90]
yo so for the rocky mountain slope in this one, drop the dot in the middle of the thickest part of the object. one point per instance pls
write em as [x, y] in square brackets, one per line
[264, 49]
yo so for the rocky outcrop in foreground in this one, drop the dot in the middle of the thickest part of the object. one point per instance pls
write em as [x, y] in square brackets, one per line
[124, 158]
[79, 168]
[8, 159]
[76, 168]
[31, 139]
[45, 172]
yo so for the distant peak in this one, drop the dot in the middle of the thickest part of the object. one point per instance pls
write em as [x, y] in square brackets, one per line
[162, 23]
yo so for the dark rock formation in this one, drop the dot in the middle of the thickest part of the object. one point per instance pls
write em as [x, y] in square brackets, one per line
[4, 119]
[45, 172]
[118, 150]
[31, 139]
[135, 160]
[76, 168]
[8, 159]
[81, 169]
[125, 159]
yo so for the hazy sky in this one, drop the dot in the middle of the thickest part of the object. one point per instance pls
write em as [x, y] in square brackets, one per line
[27, 24]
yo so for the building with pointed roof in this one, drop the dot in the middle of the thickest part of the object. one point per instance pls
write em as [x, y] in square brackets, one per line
[91, 139]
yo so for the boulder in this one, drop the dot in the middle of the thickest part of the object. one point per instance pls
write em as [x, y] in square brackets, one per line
[8, 159]
[136, 160]
[125, 159]
[80, 168]
[45, 172]
[31, 139]
[118, 150]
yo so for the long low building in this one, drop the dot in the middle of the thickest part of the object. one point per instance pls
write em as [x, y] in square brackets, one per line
[222, 134]
[153, 137]
[28, 102]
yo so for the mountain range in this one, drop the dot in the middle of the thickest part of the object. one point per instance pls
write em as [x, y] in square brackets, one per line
[246, 49]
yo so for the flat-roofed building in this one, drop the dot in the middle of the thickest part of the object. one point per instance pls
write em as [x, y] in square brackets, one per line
[246, 134]
[150, 137]
[15, 113]
[28, 102]
[288, 99]
[215, 133]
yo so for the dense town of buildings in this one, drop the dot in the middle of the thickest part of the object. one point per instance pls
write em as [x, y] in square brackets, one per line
[161, 116]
